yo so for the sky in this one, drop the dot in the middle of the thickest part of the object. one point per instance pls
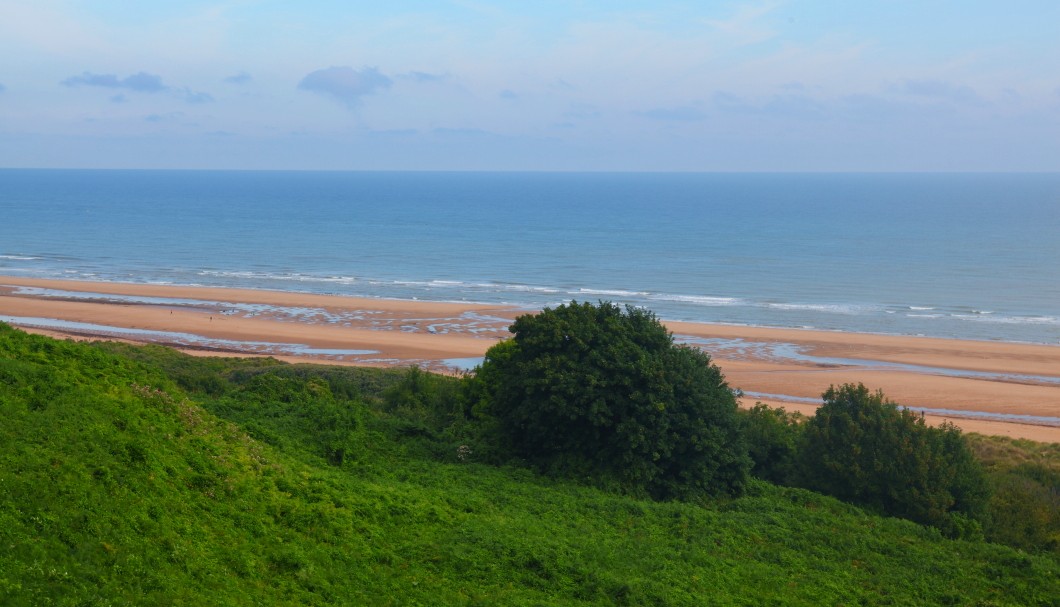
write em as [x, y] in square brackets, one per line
[667, 85]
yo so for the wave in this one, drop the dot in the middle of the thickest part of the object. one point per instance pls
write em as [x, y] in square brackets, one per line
[1010, 320]
[20, 257]
[449, 283]
[703, 300]
[845, 309]
[531, 289]
[459, 284]
[243, 274]
[609, 292]
[290, 277]
[642, 298]
[921, 308]
[442, 284]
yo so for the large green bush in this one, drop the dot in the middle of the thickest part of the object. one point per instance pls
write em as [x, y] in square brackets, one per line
[772, 437]
[863, 448]
[602, 392]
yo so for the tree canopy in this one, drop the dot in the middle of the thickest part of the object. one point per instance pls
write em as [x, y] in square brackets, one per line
[600, 391]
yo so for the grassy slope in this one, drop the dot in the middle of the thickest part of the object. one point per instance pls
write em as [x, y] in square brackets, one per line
[114, 495]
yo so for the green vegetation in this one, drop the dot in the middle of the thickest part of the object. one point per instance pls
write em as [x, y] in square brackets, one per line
[1024, 506]
[773, 437]
[863, 449]
[598, 392]
[138, 475]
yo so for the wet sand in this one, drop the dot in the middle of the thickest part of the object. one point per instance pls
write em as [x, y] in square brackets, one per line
[789, 367]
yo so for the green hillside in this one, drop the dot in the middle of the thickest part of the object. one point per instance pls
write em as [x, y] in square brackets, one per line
[138, 475]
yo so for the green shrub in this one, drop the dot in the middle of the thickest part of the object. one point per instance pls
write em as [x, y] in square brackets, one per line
[598, 392]
[772, 437]
[862, 448]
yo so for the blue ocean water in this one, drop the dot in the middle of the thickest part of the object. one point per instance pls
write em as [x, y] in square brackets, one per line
[972, 256]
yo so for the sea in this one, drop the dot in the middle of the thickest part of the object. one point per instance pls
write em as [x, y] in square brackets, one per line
[971, 256]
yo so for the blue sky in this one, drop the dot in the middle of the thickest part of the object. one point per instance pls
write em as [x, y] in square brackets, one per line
[796, 85]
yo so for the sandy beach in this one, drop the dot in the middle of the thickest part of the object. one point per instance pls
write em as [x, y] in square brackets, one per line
[981, 386]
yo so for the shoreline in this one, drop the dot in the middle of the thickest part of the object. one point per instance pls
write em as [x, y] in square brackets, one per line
[988, 377]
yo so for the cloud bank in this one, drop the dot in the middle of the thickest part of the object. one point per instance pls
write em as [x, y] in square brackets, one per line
[140, 82]
[345, 84]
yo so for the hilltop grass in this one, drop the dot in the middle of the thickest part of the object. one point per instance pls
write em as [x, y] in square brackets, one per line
[134, 475]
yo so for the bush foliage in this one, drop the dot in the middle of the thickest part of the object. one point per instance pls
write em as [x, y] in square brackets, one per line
[772, 437]
[602, 392]
[864, 449]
